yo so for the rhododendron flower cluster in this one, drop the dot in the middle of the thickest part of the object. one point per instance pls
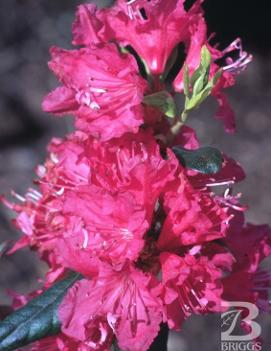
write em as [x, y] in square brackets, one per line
[152, 238]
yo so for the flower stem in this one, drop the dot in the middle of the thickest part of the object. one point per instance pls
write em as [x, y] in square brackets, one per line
[176, 128]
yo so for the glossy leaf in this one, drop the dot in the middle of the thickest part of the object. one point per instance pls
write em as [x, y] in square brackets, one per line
[37, 319]
[206, 160]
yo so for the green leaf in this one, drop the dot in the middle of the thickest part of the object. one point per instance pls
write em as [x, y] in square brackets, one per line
[197, 100]
[216, 77]
[206, 58]
[199, 85]
[37, 319]
[163, 101]
[206, 160]
[186, 80]
[195, 76]
[124, 50]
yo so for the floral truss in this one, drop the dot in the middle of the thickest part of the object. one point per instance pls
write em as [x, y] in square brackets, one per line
[139, 224]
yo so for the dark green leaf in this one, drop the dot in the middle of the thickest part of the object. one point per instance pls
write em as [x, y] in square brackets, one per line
[163, 101]
[37, 319]
[206, 160]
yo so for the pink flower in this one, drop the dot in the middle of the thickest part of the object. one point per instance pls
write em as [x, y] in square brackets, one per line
[57, 343]
[187, 138]
[101, 87]
[191, 286]
[94, 200]
[89, 26]
[102, 225]
[250, 245]
[152, 28]
[99, 335]
[192, 216]
[126, 298]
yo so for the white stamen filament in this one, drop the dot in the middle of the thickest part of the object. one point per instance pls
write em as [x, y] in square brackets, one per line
[32, 196]
[97, 90]
[54, 158]
[227, 182]
[37, 193]
[60, 191]
[85, 243]
[17, 196]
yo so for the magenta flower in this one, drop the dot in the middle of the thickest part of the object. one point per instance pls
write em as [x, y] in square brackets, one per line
[193, 216]
[126, 297]
[152, 28]
[94, 200]
[88, 27]
[105, 98]
[191, 286]
[250, 245]
[128, 211]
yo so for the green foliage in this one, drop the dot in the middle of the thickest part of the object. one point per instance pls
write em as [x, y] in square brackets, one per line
[162, 101]
[37, 319]
[206, 160]
[198, 87]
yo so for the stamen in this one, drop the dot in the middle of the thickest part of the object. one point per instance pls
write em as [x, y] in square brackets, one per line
[37, 193]
[103, 332]
[112, 321]
[85, 98]
[54, 158]
[226, 182]
[227, 221]
[94, 106]
[97, 90]
[85, 243]
[31, 196]
[17, 196]
[60, 191]
[128, 235]
[241, 63]
[41, 171]
[195, 250]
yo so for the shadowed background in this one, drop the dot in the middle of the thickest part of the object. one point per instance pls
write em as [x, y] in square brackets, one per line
[29, 27]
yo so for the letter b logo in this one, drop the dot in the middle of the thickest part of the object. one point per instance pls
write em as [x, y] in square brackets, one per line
[230, 319]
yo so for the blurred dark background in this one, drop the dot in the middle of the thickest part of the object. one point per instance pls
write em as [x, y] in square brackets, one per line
[29, 27]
